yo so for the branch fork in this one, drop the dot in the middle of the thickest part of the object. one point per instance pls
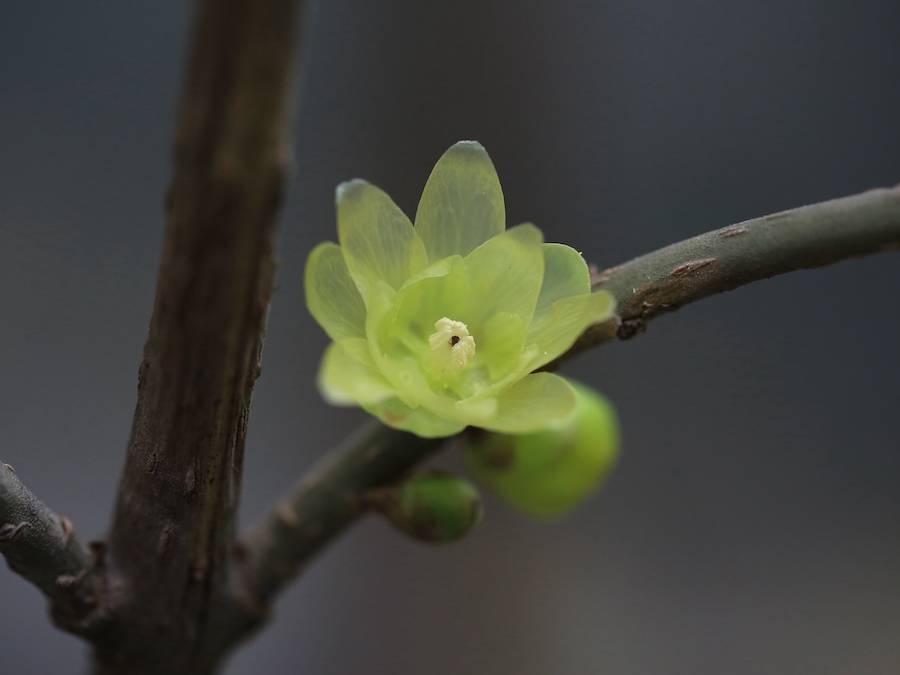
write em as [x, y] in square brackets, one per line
[175, 589]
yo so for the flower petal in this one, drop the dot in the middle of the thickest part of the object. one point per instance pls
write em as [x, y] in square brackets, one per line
[556, 327]
[419, 421]
[378, 241]
[565, 274]
[348, 376]
[534, 402]
[462, 203]
[395, 349]
[331, 295]
[500, 344]
[505, 274]
[441, 291]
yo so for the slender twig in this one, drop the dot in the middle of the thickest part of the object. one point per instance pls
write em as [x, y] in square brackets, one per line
[327, 500]
[324, 502]
[173, 524]
[40, 545]
[721, 260]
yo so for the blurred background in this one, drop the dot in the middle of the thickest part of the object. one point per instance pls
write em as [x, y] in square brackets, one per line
[753, 525]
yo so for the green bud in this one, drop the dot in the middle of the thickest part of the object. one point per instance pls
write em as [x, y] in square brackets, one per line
[433, 506]
[547, 473]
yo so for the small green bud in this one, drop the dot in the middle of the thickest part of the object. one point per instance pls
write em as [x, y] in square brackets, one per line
[547, 473]
[433, 506]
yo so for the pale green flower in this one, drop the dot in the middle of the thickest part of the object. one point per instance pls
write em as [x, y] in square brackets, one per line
[440, 326]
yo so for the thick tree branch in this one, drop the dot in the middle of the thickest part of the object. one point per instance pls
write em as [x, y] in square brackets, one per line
[40, 545]
[179, 491]
[328, 499]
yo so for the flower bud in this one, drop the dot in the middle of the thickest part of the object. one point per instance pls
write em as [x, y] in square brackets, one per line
[547, 473]
[433, 506]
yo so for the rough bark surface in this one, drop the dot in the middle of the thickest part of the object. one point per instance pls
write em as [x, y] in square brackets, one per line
[174, 518]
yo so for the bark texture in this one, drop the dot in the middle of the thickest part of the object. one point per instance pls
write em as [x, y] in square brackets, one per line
[174, 519]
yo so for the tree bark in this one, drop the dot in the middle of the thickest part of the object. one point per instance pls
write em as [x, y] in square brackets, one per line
[174, 518]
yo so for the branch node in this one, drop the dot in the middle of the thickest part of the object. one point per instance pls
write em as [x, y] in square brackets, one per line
[66, 526]
[10, 532]
[287, 515]
[733, 231]
[67, 581]
[690, 267]
[630, 328]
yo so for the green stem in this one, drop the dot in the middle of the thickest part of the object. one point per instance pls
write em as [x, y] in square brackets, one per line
[40, 545]
[721, 260]
[321, 506]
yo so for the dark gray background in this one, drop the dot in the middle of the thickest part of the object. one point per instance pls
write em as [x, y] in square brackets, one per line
[753, 525]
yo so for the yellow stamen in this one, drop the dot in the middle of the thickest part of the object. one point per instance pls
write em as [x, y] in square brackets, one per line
[453, 338]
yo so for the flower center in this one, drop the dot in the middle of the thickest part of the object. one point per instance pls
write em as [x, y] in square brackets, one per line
[452, 339]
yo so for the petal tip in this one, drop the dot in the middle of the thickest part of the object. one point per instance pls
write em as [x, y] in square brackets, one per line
[470, 144]
[470, 150]
[348, 189]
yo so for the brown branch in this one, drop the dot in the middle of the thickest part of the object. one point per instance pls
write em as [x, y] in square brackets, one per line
[326, 501]
[40, 546]
[174, 517]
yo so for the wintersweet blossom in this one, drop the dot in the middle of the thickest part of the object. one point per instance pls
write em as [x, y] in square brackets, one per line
[440, 325]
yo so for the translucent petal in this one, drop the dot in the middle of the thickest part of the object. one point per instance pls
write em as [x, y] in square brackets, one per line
[395, 350]
[500, 343]
[476, 411]
[438, 268]
[505, 274]
[378, 241]
[462, 203]
[379, 309]
[385, 346]
[419, 421]
[556, 327]
[535, 402]
[348, 376]
[565, 274]
[443, 290]
[331, 295]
